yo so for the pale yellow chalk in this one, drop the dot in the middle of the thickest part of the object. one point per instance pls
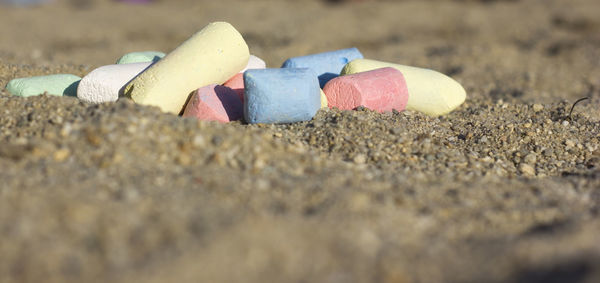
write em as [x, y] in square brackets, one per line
[211, 56]
[324, 103]
[430, 92]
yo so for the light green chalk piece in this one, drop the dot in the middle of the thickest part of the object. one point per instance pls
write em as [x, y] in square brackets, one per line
[59, 84]
[141, 57]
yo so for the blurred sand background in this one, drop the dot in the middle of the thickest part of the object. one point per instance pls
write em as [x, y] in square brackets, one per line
[504, 189]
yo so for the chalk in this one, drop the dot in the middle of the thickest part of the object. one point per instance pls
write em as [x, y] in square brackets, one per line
[254, 63]
[59, 84]
[140, 57]
[382, 90]
[430, 92]
[106, 83]
[281, 95]
[215, 103]
[327, 65]
[211, 56]
[236, 83]
[324, 103]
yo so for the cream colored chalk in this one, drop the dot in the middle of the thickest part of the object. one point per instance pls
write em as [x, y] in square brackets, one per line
[211, 56]
[430, 92]
[324, 103]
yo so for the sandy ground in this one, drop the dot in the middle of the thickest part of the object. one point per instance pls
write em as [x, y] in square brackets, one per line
[504, 189]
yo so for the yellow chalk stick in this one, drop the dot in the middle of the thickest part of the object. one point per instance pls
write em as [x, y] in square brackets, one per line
[430, 92]
[324, 103]
[211, 56]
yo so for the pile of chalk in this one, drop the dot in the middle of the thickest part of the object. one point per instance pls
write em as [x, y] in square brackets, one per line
[212, 76]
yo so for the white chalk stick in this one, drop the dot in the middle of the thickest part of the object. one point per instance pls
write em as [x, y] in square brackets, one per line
[254, 63]
[106, 83]
[211, 56]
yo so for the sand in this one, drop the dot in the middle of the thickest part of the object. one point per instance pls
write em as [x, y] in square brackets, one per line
[504, 189]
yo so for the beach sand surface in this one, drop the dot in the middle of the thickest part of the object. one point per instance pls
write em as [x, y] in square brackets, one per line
[504, 189]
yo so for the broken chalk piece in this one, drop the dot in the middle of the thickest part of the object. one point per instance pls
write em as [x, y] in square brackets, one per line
[106, 83]
[327, 65]
[59, 84]
[236, 83]
[324, 103]
[281, 95]
[140, 57]
[211, 56]
[214, 103]
[254, 63]
[381, 90]
[430, 92]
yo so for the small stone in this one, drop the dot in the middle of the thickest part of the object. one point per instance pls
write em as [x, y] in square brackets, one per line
[396, 131]
[184, 159]
[360, 159]
[538, 107]
[570, 143]
[61, 154]
[199, 141]
[487, 159]
[527, 169]
[66, 129]
[530, 158]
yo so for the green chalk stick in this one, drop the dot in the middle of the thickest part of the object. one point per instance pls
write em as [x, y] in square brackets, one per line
[140, 57]
[59, 84]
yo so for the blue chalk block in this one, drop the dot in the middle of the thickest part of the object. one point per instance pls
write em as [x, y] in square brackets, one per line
[281, 95]
[327, 65]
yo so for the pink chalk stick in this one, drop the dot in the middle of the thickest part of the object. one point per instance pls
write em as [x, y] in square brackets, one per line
[215, 103]
[237, 84]
[381, 90]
